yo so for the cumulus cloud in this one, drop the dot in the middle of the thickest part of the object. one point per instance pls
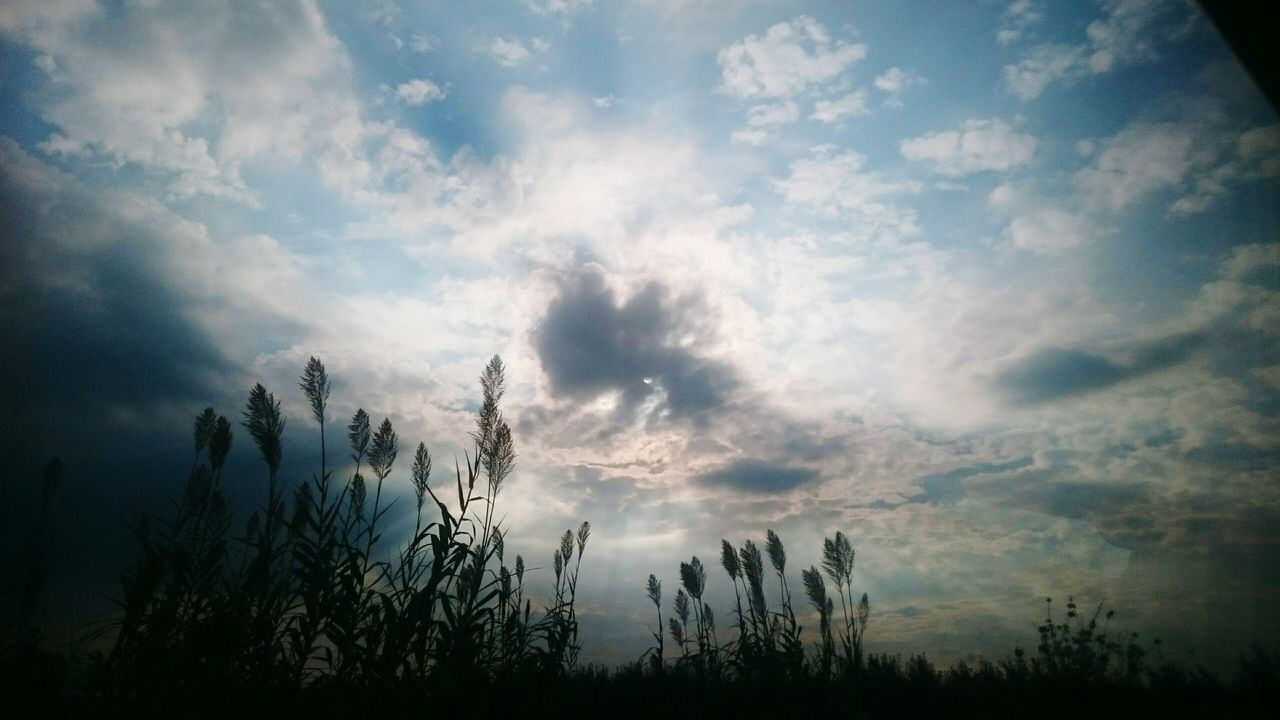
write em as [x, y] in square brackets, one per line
[569, 185]
[756, 137]
[1255, 156]
[1130, 33]
[419, 92]
[590, 343]
[1049, 230]
[788, 59]
[1187, 155]
[196, 66]
[839, 185]
[772, 114]
[1138, 161]
[895, 81]
[1195, 157]
[1014, 21]
[830, 111]
[1039, 224]
[764, 121]
[513, 52]
[980, 145]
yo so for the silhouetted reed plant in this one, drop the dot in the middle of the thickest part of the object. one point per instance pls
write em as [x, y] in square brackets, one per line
[299, 595]
[306, 599]
[768, 641]
[767, 646]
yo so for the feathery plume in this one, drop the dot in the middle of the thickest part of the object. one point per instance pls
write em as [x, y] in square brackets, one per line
[729, 559]
[265, 424]
[315, 383]
[219, 443]
[815, 588]
[204, 428]
[358, 432]
[682, 606]
[421, 472]
[654, 588]
[693, 576]
[837, 558]
[777, 554]
[566, 546]
[383, 453]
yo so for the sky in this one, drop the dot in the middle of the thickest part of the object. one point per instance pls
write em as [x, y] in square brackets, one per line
[993, 288]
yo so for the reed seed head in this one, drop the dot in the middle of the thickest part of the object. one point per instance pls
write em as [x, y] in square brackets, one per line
[265, 424]
[421, 472]
[752, 564]
[566, 546]
[219, 443]
[837, 558]
[654, 589]
[359, 433]
[693, 576]
[682, 606]
[499, 544]
[815, 588]
[729, 559]
[385, 447]
[315, 383]
[777, 554]
[204, 428]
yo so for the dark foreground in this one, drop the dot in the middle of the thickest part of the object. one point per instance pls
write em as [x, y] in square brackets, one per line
[888, 688]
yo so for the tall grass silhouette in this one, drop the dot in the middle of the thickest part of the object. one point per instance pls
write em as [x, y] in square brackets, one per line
[768, 644]
[300, 597]
[308, 606]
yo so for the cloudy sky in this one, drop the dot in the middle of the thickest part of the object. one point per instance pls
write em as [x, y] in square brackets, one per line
[991, 287]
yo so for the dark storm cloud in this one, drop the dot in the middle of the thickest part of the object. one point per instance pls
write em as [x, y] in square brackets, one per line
[945, 488]
[1235, 456]
[1057, 373]
[103, 366]
[758, 476]
[1084, 500]
[590, 344]
[92, 328]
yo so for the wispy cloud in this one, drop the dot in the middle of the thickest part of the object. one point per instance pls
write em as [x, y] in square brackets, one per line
[512, 52]
[787, 59]
[980, 145]
[1131, 33]
[419, 92]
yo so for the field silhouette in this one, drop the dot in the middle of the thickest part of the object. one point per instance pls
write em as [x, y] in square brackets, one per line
[290, 611]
